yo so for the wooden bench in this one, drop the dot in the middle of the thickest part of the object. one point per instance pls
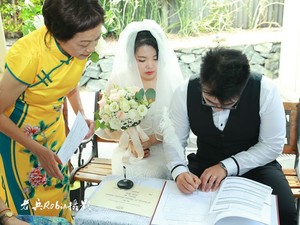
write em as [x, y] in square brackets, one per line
[292, 111]
[95, 168]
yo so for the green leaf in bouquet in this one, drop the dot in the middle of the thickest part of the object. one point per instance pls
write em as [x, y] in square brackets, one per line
[100, 124]
[96, 115]
[97, 124]
[94, 57]
[150, 94]
[140, 94]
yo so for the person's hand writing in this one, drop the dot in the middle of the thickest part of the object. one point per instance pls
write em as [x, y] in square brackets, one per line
[211, 178]
[49, 161]
[187, 182]
[91, 125]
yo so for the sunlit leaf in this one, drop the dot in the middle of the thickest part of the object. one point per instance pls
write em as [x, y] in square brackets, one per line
[94, 57]
[150, 94]
[140, 94]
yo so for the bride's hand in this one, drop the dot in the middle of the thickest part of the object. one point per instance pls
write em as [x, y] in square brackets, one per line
[152, 141]
[146, 151]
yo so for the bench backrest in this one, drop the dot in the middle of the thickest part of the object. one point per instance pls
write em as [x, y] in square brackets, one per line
[292, 112]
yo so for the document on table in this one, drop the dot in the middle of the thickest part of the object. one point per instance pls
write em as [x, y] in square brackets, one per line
[177, 208]
[74, 138]
[244, 198]
[141, 199]
[238, 201]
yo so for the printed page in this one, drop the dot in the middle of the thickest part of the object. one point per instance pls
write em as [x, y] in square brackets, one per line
[74, 138]
[240, 197]
[141, 199]
[238, 220]
[177, 208]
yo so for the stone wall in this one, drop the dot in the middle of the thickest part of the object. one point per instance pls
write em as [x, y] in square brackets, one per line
[262, 48]
[263, 57]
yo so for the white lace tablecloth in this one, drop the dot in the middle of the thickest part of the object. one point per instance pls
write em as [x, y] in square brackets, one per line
[92, 215]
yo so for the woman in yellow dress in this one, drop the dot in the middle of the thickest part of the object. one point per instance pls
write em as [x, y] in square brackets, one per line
[42, 69]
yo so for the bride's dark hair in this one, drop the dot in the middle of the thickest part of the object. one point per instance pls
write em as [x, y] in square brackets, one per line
[145, 37]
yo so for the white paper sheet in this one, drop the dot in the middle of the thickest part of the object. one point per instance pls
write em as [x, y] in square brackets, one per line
[177, 208]
[238, 201]
[74, 138]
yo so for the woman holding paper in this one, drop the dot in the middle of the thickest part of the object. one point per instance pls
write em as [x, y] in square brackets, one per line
[146, 60]
[43, 68]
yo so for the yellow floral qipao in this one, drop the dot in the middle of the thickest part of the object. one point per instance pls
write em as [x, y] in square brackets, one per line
[49, 74]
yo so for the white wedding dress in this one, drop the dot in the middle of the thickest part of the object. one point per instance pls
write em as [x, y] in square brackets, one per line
[152, 166]
[125, 73]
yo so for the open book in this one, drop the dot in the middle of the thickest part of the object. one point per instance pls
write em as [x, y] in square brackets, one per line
[238, 201]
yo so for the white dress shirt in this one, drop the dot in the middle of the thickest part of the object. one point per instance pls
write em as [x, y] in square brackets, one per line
[271, 135]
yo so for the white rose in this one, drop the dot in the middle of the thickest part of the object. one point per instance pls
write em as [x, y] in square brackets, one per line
[122, 92]
[105, 109]
[124, 105]
[133, 104]
[114, 107]
[133, 115]
[105, 117]
[142, 110]
[115, 124]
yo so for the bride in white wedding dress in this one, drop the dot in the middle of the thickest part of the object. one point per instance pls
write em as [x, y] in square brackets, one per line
[145, 59]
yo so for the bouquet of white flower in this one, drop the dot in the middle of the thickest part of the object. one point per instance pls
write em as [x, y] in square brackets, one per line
[122, 110]
[123, 107]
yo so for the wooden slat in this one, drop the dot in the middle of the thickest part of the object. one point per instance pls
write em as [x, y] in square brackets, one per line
[101, 161]
[97, 166]
[291, 172]
[95, 178]
[296, 192]
[94, 171]
[293, 181]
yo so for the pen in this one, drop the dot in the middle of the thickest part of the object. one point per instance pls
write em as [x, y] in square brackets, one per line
[191, 177]
[124, 172]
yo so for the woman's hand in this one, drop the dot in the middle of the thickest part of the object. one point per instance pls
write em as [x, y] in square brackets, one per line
[147, 144]
[13, 221]
[49, 161]
[151, 141]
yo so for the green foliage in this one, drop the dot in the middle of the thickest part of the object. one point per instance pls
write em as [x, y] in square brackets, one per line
[183, 17]
[219, 16]
[94, 57]
[140, 95]
[9, 14]
[150, 94]
[18, 16]
[119, 13]
[259, 17]
[27, 16]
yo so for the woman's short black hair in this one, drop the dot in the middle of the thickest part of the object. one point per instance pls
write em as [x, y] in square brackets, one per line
[65, 18]
[145, 37]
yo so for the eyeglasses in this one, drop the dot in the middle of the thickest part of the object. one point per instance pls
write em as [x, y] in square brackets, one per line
[230, 106]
